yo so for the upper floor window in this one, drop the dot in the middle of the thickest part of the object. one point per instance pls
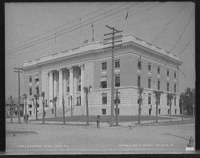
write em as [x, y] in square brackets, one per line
[104, 84]
[117, 63]
[37, 91]
[139, 65]
[174, 74]
[104, 66]
[117, 80]
[167, 73]
[167, 86]
[149, 82]
[149, 67]
[158, 86]
[104, 98]
[138, 81]
[30, 91]
[158, 70]
[149, 98]
[30, 79]
[175, 88]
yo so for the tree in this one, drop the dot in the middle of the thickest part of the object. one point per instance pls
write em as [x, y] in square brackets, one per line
[140, 90]
[187, 101]
[157, 96]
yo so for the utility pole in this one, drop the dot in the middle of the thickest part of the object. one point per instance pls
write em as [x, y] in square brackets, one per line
[117, 110]
[11, 109]
[25, 106]
[18, 70]
[113, 41]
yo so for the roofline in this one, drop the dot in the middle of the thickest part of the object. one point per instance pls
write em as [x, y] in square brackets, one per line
[95, 46]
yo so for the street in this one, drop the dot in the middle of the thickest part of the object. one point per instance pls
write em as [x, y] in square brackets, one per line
[36, 138]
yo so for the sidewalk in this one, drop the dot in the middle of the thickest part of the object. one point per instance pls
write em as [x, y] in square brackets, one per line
[128, 124]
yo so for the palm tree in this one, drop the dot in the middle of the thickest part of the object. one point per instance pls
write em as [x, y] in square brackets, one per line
[157, 96]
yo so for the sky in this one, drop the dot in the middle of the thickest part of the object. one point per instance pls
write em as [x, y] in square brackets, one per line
[33, 30]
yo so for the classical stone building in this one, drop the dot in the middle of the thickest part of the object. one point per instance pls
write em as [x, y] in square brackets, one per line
[63, 76]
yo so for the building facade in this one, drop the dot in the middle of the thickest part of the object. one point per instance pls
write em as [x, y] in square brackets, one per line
[63, 76]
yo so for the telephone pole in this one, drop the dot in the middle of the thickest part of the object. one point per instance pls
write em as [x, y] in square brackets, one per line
[113, 42]
[18, 70]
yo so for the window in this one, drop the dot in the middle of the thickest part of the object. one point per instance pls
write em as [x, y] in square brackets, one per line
[149, 67]
[117, 63]
[158, 85]
[168, 111]
[149, 99]
[159, 110]
[30, 91]
[174, 101]
[138, 81]
[104, 66]
[30, 79]
[175, 111]
[78, 100]
[103, 84]
[37, 91]
[175, 88]
[30, 112]
[139, 65]
[104, 98]
[167, 86]
[167, 73]
[167, 100]
[158, 70]
[67, 88]
[103, 111]
[79, 87]
[117, 80]
[30, 106]
[149, 82]
[174, 74]
[36, 80]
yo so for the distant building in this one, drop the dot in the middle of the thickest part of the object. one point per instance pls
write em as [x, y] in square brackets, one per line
[137, 63]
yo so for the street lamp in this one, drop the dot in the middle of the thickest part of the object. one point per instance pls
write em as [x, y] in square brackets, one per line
[25, 106]
[87, 90]
[43, 95]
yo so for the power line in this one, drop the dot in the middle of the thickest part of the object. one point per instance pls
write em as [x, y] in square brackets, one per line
[182, 33]
[63, 25]
[59, 33]
[167, 24]
[184, 48]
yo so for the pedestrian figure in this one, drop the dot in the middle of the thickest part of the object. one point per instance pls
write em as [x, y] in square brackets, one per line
[98, 121]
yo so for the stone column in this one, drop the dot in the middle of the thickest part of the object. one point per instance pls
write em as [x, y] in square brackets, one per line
[60, 87]
[50, 86]
[82, 88]
[71, 83]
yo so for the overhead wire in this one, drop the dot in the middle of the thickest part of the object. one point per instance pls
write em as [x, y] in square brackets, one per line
[59, 33]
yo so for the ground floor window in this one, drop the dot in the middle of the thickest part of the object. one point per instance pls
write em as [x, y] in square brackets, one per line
[175, 111]
[159, 111]
[78, 100]
[150, 111]
[103, 111]
[168, 111]
[30, 113]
